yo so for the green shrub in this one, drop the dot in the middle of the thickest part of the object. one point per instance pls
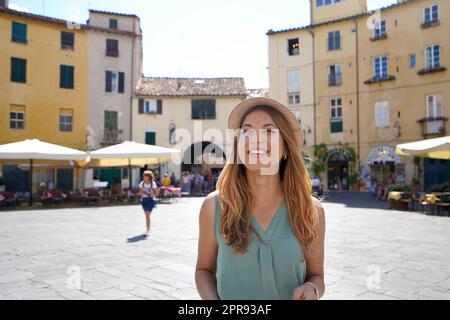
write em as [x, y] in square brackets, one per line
[401, 187]
[442, 187]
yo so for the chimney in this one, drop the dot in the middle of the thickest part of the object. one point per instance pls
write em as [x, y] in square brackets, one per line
[4, 3]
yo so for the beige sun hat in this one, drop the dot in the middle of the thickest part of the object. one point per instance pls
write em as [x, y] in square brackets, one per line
[235, 117]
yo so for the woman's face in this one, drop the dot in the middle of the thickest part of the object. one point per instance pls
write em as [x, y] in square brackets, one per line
[260, 144]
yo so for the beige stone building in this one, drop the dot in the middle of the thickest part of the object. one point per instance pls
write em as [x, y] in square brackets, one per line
[188, 114]
[115, 65]
[379, 79]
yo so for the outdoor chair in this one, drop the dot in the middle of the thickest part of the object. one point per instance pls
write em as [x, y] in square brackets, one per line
[91, 195]
[416, 201]
[116, 195]
[8, 199]
[443, 203]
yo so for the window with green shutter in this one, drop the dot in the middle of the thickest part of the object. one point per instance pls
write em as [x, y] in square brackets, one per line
[19, 32]
[111, 120]
[112, 48]
[113, 23]
[336, 126]
[18, 70]
[66, 79]
[203, 109]
[150, 138]
[67, 40]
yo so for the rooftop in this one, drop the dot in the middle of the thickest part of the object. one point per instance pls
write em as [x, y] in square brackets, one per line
[311, 26]
[164, 86]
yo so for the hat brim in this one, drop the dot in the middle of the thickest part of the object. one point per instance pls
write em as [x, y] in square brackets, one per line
[236, 116]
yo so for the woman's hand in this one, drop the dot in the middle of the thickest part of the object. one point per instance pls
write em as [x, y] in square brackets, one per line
[304, 292]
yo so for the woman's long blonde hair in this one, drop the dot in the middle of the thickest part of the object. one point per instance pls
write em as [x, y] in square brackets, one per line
[234, 194]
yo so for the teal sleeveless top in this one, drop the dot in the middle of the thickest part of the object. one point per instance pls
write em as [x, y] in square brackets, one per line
[270, 269]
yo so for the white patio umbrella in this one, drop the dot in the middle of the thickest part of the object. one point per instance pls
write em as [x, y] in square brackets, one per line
[34, 149]
[438, 148]
[129, 153]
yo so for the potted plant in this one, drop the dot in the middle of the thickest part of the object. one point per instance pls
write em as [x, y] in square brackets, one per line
[353, 181]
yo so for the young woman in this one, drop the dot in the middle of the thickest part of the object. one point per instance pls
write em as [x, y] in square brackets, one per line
[262, 234]
[147, 190]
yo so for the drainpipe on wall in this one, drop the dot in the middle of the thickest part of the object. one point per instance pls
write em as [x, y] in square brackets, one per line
[314, 82]
[358, 142]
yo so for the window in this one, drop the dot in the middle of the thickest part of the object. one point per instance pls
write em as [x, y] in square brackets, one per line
[114, 81]
[431, 15]
[322, 3]
[434, 111]
[113, 24]
[293, 87]
[66, 77]
[18, 70]
[334, 40]
[111, 120]
[17, 118]
[19, 32]
[112, 48]
[335, 75]
[336, 122]
[382, 114]
[65, 120]
[379, 30]
[96, 174]
[67, 40]
[125, 173]
[150, 106]
[412, 61]
[432, 57]
[293, 47]
[150, 138]
[203, 109]
[381, 67]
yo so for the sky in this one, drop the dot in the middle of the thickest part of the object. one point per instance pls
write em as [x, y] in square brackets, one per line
[197, 38]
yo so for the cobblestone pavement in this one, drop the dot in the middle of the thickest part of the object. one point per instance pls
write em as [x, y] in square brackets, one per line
[97, 253]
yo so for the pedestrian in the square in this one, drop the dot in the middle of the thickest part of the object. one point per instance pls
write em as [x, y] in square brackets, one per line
[148, 189]
[262, 232]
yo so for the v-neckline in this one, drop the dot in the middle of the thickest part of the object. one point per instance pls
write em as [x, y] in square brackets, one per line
[273, 222]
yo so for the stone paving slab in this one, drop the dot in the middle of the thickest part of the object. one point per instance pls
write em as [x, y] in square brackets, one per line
[97, 252]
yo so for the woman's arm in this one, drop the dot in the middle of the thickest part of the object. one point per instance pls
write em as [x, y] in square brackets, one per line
[205, 273]
[314, 262]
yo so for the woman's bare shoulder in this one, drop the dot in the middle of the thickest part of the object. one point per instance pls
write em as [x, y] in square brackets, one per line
[208, 206]
[318, 206]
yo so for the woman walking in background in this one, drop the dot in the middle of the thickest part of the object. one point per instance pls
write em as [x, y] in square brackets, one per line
[147, 190]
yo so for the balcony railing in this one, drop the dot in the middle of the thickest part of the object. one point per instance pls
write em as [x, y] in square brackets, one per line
[379, 37]
[110, 136]
[429, 24]
[433, 126]
[431, 69]
[334, 79]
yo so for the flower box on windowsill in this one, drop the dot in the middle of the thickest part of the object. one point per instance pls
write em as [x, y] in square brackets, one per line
[379, 79]
[380, 37]
[431, 70]
[430, 24]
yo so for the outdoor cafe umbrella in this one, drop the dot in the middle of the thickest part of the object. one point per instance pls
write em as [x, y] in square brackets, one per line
[34, 149]
[438, 148]
[128, 154]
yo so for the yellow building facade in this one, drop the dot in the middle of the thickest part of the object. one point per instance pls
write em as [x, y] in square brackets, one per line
[43, 86]
[380, 79]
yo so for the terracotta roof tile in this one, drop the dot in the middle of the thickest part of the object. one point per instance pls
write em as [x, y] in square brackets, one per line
[162, 86]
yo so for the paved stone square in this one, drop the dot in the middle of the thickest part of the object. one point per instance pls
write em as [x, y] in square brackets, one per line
[97, 253]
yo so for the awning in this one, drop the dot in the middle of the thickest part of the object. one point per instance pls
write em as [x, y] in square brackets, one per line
[438, 148]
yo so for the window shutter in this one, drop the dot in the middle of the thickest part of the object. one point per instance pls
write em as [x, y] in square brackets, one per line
[159, 106]
[141, 106]
[108, 81]
[121, 82]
